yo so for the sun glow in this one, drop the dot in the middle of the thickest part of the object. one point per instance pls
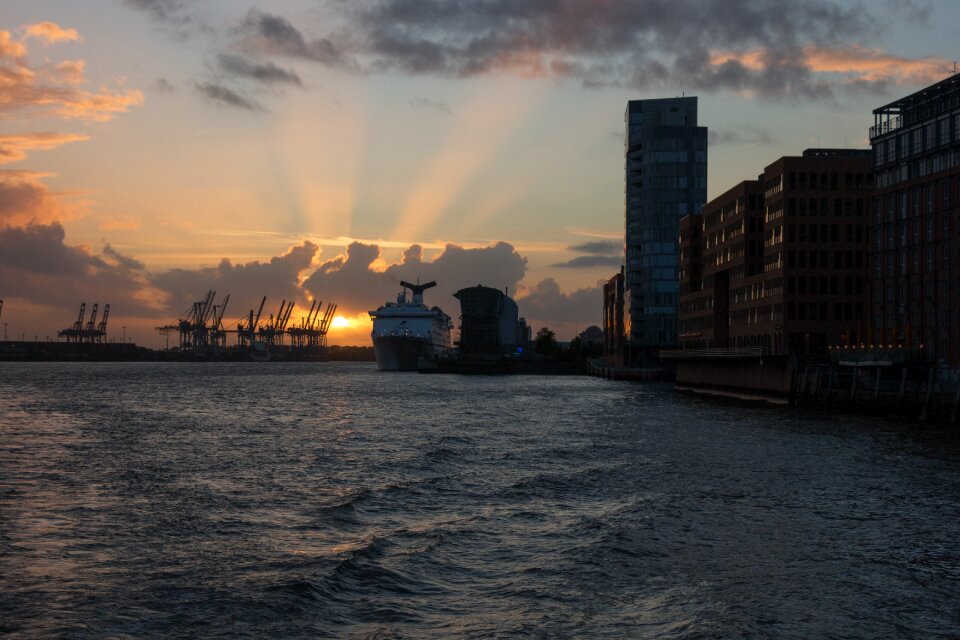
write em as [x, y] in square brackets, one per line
[339, 322]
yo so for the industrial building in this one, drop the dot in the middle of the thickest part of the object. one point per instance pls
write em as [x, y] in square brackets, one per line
[490, 324]
[780, 264]
[915, 297]
[665, 162]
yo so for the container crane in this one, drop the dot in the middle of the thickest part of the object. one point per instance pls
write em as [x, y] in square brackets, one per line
[73, 333]
[247, 333]
[101, 333]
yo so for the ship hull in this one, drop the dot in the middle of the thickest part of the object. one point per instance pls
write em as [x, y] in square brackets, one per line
[402, 353]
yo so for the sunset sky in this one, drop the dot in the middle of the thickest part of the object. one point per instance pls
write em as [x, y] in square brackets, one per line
[154, 149]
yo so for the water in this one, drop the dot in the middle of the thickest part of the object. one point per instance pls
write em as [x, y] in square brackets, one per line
[330, 500]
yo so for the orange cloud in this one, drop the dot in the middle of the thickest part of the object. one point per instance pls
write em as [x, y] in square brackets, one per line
[53, 89]
[119, 223]
[873, 65]
[24, 199]
[14, 148]
[50, 32]
[9, 48]
[70, 71]
[859, 64]
[752, 60]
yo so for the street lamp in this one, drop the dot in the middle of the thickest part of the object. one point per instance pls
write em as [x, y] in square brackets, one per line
[124, 335]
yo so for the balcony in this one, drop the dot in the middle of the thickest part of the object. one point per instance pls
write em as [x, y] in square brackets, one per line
[886, 127]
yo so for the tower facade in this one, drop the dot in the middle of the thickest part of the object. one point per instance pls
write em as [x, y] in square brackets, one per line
[665, 155]
[916, 223]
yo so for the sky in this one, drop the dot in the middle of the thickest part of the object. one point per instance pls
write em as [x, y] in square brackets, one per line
[151, 150]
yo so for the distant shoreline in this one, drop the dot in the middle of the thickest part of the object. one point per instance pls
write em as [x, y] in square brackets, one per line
[43, 351]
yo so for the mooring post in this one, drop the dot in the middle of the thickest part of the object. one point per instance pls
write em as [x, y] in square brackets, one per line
[903, 383]
[853, 383]
[876, 385]
[830, 383]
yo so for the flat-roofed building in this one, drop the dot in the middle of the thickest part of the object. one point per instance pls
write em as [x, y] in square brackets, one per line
[915, 296]
[784, 257]
[665, 162]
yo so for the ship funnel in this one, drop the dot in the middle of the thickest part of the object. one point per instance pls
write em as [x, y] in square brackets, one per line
[418, 289]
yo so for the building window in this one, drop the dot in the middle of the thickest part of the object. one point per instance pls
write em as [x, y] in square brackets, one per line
[931, 136]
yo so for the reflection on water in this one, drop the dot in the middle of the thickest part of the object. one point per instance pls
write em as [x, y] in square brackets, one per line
[305, 500]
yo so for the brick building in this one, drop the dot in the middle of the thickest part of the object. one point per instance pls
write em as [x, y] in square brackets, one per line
[783, 258]
[616, 321]
[915, 298]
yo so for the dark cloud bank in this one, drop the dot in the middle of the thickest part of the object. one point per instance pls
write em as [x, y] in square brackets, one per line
[37, 265]
[650, 45]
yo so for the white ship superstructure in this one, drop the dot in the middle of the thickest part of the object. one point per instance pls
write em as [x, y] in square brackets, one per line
[408, 332]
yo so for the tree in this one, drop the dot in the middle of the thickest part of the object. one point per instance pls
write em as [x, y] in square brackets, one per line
[545, 342]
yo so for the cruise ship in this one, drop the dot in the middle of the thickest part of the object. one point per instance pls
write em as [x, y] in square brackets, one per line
[406, 333]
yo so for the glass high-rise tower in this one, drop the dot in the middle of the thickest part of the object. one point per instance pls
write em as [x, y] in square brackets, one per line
[666, 179]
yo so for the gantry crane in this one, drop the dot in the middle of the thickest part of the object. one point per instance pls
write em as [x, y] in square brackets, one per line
[100, 335]
[75, 332]
[246, 333]
[272, 332]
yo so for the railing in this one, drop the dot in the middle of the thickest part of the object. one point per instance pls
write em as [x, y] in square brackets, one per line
[886, 127]
[718, 353]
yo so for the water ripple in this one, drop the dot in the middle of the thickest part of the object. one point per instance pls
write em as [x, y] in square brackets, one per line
[328, 500]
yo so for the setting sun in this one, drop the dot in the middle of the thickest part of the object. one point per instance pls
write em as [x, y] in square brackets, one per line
[339, 322]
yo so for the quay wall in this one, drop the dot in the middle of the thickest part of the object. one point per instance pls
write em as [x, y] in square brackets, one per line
[766, 379]
[921, 392]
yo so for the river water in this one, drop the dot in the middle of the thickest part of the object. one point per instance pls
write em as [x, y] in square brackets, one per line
[330, 500]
